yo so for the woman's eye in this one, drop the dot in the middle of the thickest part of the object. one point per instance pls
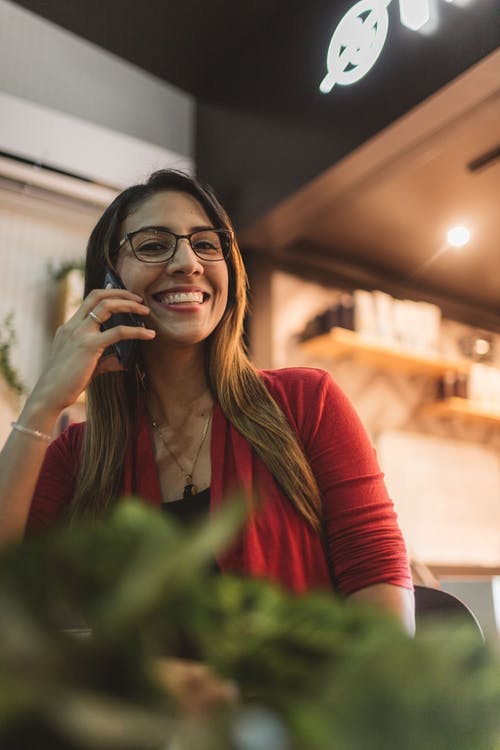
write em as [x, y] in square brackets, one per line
[205, 245]
[152, 248]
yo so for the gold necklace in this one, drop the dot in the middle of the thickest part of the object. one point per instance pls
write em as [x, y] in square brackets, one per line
[190, 489]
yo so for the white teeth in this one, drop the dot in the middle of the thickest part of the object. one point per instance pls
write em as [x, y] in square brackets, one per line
[176, 298]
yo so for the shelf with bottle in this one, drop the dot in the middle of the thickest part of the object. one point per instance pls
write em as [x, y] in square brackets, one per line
[402, 336]
[456, 406]
[455, 396]
[341, 342]
[377, 329]
[473, 395]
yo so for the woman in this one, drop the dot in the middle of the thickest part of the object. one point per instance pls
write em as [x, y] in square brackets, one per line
[191, 420]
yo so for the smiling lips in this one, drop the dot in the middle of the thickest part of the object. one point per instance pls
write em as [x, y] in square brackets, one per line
[179, 298]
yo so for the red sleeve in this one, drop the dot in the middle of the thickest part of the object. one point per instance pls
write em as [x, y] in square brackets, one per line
[364, 540]
[56, 481]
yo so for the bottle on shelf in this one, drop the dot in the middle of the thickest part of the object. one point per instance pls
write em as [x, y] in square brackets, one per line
[462, 385]
[338, 315]
[453, 385]
[346, 312]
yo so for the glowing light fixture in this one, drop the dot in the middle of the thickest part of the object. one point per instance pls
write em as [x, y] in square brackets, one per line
[356, 43]
[413, 14]
[458, 236]
[360, 36]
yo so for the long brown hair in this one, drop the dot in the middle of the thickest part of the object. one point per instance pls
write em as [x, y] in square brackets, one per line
[233, 379]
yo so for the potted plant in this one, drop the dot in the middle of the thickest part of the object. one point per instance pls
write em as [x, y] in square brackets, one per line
[91, 617]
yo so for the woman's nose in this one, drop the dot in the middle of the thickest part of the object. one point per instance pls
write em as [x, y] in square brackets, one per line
[185, 259]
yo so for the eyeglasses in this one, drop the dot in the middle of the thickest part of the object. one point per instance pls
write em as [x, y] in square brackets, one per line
[157, 244]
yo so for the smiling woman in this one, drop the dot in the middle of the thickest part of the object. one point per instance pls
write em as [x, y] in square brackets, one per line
[174, 259]
[186, 420]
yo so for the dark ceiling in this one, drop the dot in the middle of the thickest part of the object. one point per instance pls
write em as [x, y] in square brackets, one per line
[268, 56]
[263, 128]
[255, 66]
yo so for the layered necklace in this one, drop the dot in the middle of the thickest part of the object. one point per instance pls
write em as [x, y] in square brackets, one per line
[190, 489]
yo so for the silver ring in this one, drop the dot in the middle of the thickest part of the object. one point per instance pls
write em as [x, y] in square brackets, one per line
[95, 317]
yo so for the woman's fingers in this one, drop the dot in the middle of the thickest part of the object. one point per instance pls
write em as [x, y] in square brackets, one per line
[84, 331]
[104, 309]
[96, 296]
[79, 344]
[95, 318]
[122, 332]
[195, 687]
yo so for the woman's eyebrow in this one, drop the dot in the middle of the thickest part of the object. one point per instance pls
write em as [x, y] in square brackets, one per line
[165, 228]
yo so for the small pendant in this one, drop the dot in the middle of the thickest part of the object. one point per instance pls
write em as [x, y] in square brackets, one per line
[189, 491]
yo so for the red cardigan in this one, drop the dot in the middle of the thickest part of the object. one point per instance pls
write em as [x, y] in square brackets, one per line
[364, 543]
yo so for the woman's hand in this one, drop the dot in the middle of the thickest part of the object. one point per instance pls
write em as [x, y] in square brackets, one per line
[79, 344]
[194, 686]
[76, 351]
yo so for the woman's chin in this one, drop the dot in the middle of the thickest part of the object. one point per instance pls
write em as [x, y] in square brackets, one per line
[176, 340]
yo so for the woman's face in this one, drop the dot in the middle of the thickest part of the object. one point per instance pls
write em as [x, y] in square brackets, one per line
[189, 319]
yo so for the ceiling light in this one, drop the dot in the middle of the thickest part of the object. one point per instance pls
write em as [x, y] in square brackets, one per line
[458, 236]
[356, 44]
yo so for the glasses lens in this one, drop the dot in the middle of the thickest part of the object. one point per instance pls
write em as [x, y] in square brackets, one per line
[152, 246]
[211, 244]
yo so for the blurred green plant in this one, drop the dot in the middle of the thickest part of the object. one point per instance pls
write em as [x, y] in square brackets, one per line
[7, 342]
[57, 273]
[315, 673]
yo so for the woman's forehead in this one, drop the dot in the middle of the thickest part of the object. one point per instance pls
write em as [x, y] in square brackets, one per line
[170, 208]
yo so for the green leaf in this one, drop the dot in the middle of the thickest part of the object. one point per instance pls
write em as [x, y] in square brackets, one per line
[7, 342]
[336, 675]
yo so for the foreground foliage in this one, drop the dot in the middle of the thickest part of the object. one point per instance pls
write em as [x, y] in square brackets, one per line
[314, 673]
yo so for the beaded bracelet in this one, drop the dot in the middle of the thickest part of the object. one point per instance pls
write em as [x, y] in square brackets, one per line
[32, 433]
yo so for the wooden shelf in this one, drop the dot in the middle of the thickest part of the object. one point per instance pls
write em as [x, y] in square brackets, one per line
[453, 570]
[340, 342]
[462, 407]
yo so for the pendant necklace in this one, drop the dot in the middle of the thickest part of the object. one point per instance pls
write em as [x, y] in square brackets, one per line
[190, 489]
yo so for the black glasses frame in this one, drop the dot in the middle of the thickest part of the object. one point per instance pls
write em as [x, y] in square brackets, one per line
[225, 234]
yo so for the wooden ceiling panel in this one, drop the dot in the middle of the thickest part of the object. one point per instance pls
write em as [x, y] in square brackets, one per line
[388, 205]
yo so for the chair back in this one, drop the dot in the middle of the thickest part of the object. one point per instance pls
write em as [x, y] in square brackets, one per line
[433, 604]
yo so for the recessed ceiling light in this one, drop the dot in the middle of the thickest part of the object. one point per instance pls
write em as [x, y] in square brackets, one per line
[458, 236]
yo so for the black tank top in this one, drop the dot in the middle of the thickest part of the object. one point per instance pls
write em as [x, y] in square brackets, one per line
[189, 510]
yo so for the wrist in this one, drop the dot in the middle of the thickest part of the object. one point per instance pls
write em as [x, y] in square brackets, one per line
[30, 432]
[39, 414]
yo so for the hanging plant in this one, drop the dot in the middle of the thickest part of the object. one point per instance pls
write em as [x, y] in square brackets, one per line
[60, 272]
[70, 278]
[7, 370]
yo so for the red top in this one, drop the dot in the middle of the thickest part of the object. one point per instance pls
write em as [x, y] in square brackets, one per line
[364, 542]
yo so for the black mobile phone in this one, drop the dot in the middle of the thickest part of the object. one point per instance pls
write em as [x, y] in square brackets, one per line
[124, 350]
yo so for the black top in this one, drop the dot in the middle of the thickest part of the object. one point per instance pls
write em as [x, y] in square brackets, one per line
[189, 510]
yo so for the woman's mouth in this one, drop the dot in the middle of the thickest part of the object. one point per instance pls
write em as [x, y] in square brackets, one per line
[181, 298]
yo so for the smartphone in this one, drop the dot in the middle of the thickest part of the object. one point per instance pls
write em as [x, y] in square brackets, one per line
[124, 350]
